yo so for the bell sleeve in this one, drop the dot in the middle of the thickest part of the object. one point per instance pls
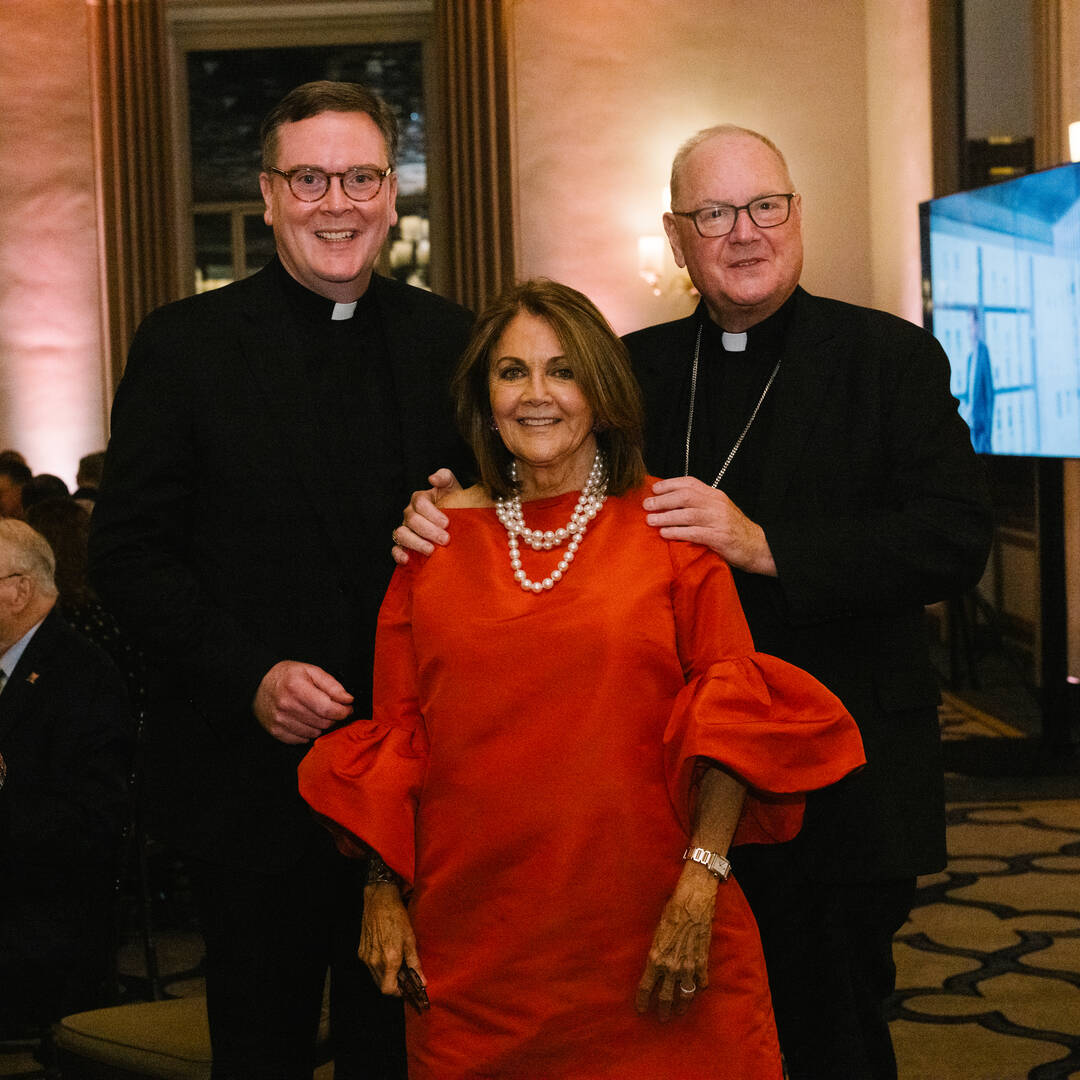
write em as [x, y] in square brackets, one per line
[765, 721]
[364, 780]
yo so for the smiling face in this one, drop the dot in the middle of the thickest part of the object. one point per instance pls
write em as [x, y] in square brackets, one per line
[329, 246]
[541, 412]
[745, 276]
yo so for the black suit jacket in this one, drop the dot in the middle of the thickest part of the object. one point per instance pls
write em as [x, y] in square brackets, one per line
[66, 736]
[218, 540]
[874, 504]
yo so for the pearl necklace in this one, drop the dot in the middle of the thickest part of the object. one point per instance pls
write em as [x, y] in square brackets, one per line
[512, 517]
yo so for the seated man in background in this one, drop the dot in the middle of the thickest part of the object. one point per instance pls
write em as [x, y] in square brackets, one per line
[65, 523]
[65, 751]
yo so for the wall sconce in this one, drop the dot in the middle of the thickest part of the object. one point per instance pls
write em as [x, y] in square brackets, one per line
[1074, 141]
[650, 251]
[656, 267]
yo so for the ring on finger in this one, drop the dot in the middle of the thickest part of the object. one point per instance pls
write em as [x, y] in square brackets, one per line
[393, 536]
[687, 988]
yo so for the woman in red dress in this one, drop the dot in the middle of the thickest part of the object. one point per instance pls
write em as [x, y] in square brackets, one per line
[571, 727]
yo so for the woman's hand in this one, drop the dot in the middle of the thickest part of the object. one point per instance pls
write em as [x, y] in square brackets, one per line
[679, 957]
[386, 937]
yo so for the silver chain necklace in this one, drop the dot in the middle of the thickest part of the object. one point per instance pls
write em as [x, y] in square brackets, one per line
[690, 418]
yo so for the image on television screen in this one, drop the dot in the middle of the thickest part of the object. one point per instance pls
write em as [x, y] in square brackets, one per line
[1001, 270]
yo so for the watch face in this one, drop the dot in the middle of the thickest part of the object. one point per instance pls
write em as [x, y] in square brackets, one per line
[720, 867]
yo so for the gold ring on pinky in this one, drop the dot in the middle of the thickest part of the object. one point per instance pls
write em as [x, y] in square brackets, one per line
[393, 536]
[687, 988]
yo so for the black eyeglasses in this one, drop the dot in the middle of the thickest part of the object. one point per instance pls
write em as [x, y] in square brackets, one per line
[361, 183]
[718, 220]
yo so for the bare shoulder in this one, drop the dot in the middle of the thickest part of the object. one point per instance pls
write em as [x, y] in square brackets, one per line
[470, 498]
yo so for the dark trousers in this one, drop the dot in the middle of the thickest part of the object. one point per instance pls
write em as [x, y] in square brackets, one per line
[57, 953]
[269, 941]
[828, 950]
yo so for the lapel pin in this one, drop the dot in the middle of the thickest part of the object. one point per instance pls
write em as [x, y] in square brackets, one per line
[32, 678]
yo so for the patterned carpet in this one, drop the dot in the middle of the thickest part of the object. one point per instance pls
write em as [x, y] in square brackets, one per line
[988, 965]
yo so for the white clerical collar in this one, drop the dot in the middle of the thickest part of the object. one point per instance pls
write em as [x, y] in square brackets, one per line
[733, 342]
[345, 311]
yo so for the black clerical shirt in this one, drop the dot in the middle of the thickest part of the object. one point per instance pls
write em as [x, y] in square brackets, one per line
[729, 386]
[354, 398]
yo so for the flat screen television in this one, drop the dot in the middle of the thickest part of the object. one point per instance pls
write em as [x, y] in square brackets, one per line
[1001, 292]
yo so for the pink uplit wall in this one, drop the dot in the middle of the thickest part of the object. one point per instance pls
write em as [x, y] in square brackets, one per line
[606, 92]
[52, 395]
[899, 145]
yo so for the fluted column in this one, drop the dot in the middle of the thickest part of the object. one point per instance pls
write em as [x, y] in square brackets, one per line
[132, 167]
[476, 93]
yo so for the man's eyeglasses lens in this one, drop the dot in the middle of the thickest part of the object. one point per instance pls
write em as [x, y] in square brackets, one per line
[766, 212]
[310, 185]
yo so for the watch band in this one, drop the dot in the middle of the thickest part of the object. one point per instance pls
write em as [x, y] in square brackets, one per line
[715, 863]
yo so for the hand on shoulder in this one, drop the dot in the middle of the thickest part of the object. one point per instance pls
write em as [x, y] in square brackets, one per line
[470, 498]
[423, 523]
[684, 508]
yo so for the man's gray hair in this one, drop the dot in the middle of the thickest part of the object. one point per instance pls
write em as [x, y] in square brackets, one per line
[708, 133]
[28, 553]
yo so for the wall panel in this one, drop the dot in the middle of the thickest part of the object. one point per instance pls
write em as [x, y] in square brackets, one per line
[52, 390]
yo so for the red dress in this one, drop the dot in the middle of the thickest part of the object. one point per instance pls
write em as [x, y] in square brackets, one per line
[530, 769]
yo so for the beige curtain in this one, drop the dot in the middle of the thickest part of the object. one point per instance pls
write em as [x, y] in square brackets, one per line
[476, 93]
[1051, 140]
[132, 165]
